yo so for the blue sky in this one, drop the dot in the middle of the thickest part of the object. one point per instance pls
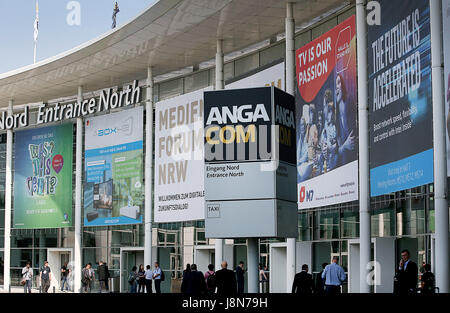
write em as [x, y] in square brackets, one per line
[55, 34]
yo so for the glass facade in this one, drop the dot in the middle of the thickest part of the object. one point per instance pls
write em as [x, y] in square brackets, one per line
[407, 215]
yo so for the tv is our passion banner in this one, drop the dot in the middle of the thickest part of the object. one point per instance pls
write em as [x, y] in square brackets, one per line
[113, 184]
[400, 99]
[43, 177]
[326, 102]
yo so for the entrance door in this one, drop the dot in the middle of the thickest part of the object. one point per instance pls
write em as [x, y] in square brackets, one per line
[56, 259]
[129, 258]
[277, 264]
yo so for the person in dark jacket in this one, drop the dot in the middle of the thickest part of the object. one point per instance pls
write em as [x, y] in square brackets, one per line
[103, 276]
[226, 281]
[193, 282]
[240, 278]
[319, 287]
[427, 281]
[406, 274]
[303, 282]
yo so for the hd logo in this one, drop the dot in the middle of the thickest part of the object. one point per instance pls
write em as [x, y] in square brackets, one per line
[306, 195]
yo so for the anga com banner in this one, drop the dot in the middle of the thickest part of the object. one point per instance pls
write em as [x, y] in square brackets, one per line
[113, 186]
[43, 177]
[326, 112]
[400, 98]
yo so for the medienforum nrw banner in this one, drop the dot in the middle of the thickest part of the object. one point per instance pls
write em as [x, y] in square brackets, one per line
[326, 113]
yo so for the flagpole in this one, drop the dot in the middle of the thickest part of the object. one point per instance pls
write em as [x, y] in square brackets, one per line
[35, 46]
[36, 30]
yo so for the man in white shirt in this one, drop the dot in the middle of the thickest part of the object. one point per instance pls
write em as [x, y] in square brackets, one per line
[157, 277]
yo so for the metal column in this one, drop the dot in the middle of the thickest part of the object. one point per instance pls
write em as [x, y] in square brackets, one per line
[8, 205]
[148, 168]
[290, 88]
[220, 84]
[363, 114]
[440, 152]
[78, 197]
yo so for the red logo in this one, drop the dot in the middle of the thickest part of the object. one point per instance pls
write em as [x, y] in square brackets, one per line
[302, 194]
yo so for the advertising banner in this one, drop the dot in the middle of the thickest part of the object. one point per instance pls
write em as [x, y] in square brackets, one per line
[446, 27]
[179, 159]
[113, 184]
[43, 177]
[271, 76]
[326, 118]
[400, 98]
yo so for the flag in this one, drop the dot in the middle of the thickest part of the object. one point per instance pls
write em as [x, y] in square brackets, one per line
[115, 11]
[36, 22]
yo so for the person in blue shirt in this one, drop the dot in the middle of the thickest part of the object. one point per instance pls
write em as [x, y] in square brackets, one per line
[157, 277]
[333, 276]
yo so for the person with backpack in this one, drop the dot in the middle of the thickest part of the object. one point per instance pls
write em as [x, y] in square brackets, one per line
[158, 277]
[427, 280]
[86, 279]
[132, 279]
[210, 280]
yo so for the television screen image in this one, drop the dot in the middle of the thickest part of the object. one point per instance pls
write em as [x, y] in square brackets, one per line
[103, 195]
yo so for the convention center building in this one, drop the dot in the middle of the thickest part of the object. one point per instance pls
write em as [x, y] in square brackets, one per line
[101, 147]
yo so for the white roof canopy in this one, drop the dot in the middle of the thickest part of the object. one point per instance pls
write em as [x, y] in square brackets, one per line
[170, 35]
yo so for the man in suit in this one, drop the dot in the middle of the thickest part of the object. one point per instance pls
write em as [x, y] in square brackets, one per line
[240, 278]
[303, 282]
[193, 282]
[407, 274]
[226, 281]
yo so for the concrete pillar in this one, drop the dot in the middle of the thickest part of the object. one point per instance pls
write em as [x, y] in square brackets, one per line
[290, 88]
[8, 206]
[148, 169]
[363, 109]
[440, 151]
[252, 266]
[78, 197]
[220, 84]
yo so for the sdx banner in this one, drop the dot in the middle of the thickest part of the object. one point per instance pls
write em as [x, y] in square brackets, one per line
[113, 186]
[43, 177]
[400, 98]
[326, 106]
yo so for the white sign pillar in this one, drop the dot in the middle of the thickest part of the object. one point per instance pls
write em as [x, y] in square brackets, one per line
[148, 169]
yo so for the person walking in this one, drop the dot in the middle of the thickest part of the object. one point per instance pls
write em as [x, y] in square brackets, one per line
[427, 280]
[86, 278]
[303, 282]
[64, 273]
[157, 277]
[148, 279]
[210, 280]
[103, 276]
[27, 274]
[132, 279]
[240, 278]
[334, 276]
[319, 287]
[406, 274]
[226, 281]
[193, 283]
[141, 279]
[46, 276]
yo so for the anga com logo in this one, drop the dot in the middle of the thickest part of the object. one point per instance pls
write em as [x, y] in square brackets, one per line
[306, 195]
